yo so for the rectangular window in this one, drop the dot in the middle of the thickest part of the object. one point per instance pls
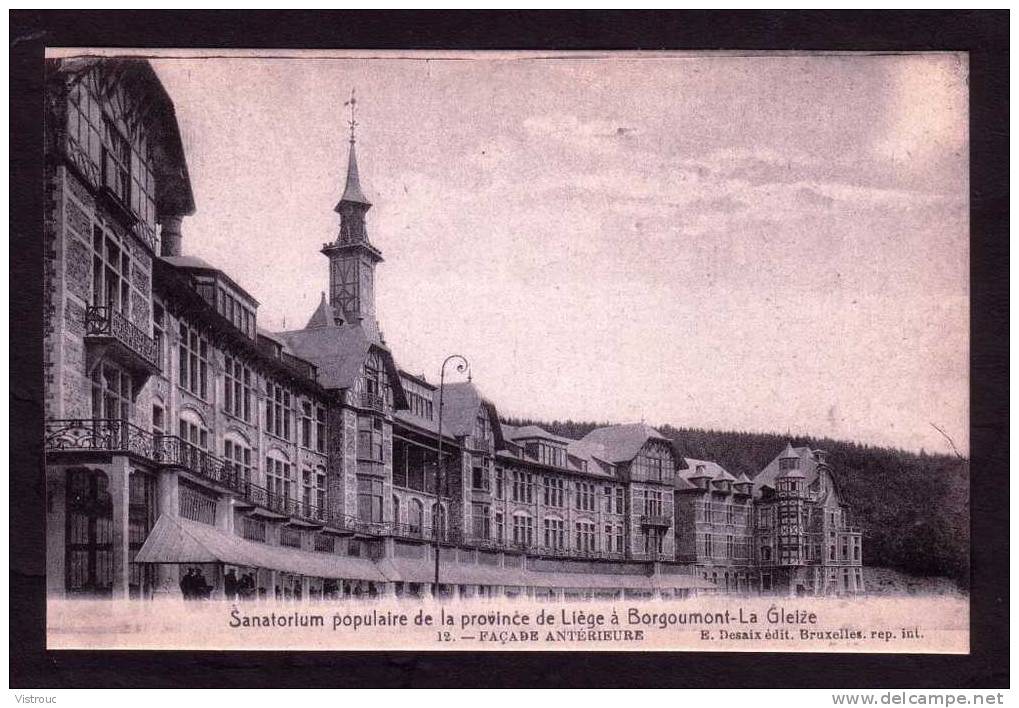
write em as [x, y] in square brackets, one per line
[290, 537]
[196, 435]
[555, 492]
[306, 424]
[279, 481]
[369, 499]
[111, 272]
[523, 487]
[555, 534]
[500, 482]
[584, 499]
[112, 392]
[278, 411]
[253, 529]
[159, 332]
[479, 478]
[196, 505]
[585, 536]
[240, 458]
[320, 429]
[238, 391]
[369, 439]
[193, 355]
[500, 530]
[523, 530]
[479, 517]
[620, 501]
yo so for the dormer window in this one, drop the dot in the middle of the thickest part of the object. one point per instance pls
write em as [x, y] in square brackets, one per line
[788, 463]
[701, 469]
[547, 454]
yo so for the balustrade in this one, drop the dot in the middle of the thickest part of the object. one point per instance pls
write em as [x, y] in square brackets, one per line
[107, 322]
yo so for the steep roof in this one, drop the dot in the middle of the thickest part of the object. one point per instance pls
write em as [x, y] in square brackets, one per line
[324, 315]
[534, 431]
[712, 469]
[808, 466]
[352, 191]
[460, 404]
[621, 443]
[173, 185]
[339, 353]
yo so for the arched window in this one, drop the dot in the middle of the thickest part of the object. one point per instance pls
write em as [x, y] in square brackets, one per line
[416, 516]
[279, 480]
[192, 429]
[89, 533]
[237, 451]
[523, 529]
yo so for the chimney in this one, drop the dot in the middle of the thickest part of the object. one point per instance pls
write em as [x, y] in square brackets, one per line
[170, 236]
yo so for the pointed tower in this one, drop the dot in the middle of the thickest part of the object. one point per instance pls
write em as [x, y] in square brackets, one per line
[352, 257]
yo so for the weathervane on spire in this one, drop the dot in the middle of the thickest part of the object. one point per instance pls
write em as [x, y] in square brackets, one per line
[353, 123]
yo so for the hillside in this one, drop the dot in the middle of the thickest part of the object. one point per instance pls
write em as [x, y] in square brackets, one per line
[913, 508]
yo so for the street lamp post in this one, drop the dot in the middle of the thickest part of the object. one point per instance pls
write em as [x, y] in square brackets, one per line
[440, 483]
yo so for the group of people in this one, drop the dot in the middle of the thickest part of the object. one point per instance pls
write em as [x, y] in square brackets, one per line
[242, 588]
[193, 585]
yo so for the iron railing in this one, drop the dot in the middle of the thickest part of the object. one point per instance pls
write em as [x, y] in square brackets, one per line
[107, 321]
[374, 401]
[479, 444]
[100, 434]
[656, 520]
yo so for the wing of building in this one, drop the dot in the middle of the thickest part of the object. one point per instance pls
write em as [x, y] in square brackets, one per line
[190, 450]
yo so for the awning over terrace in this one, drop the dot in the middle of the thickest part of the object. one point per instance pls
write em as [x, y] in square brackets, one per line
[181, 541]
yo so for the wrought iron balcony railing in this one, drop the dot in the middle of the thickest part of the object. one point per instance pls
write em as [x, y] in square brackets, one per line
[100, 434]
[479, 444]
[656, 520]
[374, 401]
[106, 322]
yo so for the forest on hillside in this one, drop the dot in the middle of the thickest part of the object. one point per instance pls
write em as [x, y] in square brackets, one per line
[913, 507]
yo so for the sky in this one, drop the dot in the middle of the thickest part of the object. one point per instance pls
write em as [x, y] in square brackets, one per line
[773, 243]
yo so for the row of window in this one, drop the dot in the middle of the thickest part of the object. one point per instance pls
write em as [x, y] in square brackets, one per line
[555, 491]
[728, 546]
[716, 513]
[793, 548]
[419, 405]
[124, 166]
[416, 514]
[555, 531]
[234, 309]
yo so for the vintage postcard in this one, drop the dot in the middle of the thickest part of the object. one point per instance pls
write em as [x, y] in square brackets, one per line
[471, 351]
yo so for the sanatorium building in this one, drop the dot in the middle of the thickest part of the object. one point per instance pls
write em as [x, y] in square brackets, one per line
[180, 436]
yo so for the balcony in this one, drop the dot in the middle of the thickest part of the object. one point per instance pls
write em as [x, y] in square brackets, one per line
[173, 451]
[661, 521]
[108, 331]
[373, 401]
[482, 445]
[100, 435]
[122, 437]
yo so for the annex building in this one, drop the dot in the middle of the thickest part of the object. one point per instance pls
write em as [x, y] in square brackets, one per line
[187, 447]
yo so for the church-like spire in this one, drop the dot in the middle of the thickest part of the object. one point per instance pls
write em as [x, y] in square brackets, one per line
[352, 257]
[352, 193]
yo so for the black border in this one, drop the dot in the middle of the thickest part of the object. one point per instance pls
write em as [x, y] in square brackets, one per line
[983, 33]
